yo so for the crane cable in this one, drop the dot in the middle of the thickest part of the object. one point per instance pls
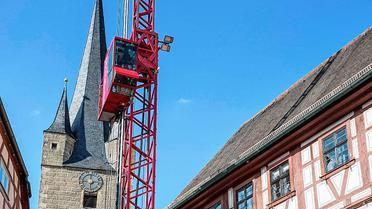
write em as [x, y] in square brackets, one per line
[121, 31]
[126, 19]
[120, 16]
[122, 24]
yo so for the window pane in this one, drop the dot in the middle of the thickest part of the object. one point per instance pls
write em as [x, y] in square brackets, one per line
[329, 143]
[126, 55]
[1, 173]
[280, 184]
[285, 186]
[285, 168]
[249, 203]
[335, 150]
[249, 191]
[217, 206]
[244, 197]
[330, 161]
[341, 135]
[275, 174]
[109, 70]
[241, 206]
[241, 196]
[342, 154]
[6, 183]
[275, 190]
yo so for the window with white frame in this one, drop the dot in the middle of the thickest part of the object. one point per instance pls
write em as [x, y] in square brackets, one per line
[280, 181]
[245, 197]
[335, 151]
[4, 176]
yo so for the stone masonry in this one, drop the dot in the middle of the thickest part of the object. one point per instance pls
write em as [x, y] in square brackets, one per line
[60, 189]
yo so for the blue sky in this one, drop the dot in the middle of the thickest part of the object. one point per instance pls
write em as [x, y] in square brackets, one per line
[229, 60]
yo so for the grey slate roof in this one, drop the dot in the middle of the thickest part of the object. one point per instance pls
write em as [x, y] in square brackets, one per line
[89, 150]
[61, 123]
[318, 83]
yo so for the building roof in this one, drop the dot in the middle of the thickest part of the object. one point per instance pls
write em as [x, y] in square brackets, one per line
[343, 68]
[4, 118]
[61, 122]
[89, 149]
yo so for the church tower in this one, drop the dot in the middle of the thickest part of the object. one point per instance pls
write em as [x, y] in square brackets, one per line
[78, 159]
[58, 138]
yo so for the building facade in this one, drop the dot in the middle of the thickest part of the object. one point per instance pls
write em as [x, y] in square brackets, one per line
[15, 189]
[311, 148]
[79, 154]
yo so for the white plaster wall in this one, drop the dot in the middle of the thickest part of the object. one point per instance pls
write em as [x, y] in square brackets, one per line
[307, 175]
[315, 148]
[292, 203]
[368, 117]
[354, 180]
[325, 192]
[309, 198]
[337, 181]
[363, 194]
[369, 140]
[305, 155]
[353, 127]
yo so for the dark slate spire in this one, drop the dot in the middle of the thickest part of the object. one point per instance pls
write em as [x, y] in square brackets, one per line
[61, 123]
[89, 149]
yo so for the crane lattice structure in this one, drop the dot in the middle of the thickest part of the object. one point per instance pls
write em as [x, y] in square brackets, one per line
[138, 164]
[128, 93]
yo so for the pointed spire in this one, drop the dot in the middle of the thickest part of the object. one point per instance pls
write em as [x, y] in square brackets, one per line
[89, 78]
[61, 123]
[89, 132]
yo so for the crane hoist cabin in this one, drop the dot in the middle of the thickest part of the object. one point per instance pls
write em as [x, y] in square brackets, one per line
[119, 78]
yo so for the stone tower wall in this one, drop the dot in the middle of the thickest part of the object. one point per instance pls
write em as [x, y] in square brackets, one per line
[60, 189]
[56, 156]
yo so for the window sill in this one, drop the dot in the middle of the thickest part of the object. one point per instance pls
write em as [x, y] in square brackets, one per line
[343, 167]
[282, 199]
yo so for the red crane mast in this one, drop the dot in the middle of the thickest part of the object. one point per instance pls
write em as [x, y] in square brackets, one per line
[139, 145]
[129, 93]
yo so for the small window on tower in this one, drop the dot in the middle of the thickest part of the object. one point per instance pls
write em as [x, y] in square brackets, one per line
[90, 201]
[54, 146]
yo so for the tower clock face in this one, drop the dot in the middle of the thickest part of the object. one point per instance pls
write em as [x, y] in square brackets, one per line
[90, 181]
